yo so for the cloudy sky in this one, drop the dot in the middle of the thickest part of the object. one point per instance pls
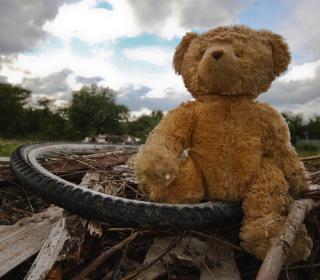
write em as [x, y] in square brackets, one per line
[55, 46]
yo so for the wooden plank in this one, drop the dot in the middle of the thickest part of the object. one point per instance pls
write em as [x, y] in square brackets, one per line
[20, 241]
[4, 159]
[66, 239]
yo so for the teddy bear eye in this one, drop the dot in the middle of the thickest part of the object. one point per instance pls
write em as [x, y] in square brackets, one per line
[238, 53]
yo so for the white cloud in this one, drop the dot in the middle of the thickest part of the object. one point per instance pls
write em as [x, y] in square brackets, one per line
[142, 87]
[87, 22]
[88, 80]
[143, 111]
[3, 79]
[54, 84]
[152, 54]
[298, 91]
[308, 109]
[99, 27]
[301, 72]
[302, 29]
[21, 23]
[138, 99]
[102, 53]
[44, 64]
[129, 18]
[11, 74]
[171, 18]
[165, 89]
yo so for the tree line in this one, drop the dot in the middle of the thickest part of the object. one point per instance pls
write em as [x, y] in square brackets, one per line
[301, 129]
[93, 110]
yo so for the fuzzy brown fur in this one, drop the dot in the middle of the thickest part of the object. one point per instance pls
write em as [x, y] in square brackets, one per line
[238, 148]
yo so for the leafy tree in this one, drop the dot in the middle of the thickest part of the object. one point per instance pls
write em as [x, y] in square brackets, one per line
[313, 127]
[93, 110]
[12, 101]
[296, 125]
[43, 124]
[45, 103]
[143, 125]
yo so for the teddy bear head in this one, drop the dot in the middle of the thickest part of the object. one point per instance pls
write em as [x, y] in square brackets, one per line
[230, 61]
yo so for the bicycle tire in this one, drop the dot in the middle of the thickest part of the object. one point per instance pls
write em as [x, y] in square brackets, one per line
[116, 211]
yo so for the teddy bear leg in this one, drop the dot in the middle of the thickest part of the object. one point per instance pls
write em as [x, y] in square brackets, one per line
[187, 187]
[265, 209]
[256, 238]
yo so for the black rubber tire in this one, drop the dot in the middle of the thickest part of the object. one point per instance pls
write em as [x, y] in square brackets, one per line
[119, 212]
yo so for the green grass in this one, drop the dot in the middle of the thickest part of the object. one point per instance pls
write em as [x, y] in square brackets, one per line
[303, 153]
[8, 146]
[307, 150]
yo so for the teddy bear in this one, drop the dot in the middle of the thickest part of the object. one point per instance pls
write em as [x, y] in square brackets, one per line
[225, 145]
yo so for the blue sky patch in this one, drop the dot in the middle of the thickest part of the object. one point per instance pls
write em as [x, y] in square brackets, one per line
[104, 5]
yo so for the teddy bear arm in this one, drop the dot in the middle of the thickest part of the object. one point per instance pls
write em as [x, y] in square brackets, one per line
[158, 162]
[293, 169]
[278, 146]
[173, 133]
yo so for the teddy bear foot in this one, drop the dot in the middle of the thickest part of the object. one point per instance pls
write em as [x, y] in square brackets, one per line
[302, 247]
[187, 187]
[257, 239]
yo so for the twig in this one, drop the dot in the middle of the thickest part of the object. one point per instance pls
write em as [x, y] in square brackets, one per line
[21, 188]
[105, 255]
[206, 267]
[28, 198]
[25, 212]
[289, 268]
[119, 229]
[224, 242]
[105, 154]
[124, 254]
[134, 274]
[294, 267]
[281, 245]
[314, 173]
[86, 164]
[310, 158]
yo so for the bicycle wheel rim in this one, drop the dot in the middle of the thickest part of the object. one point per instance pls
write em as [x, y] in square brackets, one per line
[117, 211]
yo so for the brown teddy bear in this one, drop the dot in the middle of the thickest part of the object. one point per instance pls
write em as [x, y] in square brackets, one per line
[226, 145]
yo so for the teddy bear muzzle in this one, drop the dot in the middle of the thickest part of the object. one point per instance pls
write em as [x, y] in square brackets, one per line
[218, 68]
[217, 54]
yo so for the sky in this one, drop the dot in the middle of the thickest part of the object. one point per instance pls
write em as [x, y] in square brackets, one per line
[54, 47]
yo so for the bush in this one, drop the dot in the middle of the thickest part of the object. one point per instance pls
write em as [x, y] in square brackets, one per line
[7, 148]
[307, 147]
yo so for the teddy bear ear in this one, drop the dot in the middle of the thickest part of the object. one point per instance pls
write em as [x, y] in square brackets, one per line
[181, 50]
[280, 52]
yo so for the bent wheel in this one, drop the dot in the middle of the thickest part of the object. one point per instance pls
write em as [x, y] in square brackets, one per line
[117, 211]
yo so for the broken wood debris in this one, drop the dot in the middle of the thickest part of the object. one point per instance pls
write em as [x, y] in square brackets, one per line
[118, 255]
[65, 240]
[206, 257]
[106, 255]
[20, 241]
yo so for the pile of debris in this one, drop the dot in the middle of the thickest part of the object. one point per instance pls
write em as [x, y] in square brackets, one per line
[42, 241]
[113, 139]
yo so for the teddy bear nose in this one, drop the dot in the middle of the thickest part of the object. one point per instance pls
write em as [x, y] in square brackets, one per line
[217, 54]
